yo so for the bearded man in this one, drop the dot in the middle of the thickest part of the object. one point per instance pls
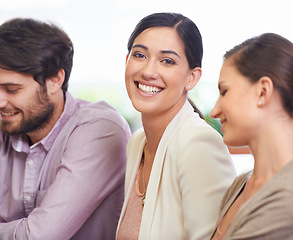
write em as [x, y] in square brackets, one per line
[62, 159]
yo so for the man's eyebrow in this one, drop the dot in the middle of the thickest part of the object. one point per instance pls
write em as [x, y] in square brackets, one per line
[10, 84]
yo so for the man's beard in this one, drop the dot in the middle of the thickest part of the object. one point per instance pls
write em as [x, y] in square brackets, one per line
[35, 116]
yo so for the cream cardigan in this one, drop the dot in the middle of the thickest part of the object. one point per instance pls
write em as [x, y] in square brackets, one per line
[191, 171]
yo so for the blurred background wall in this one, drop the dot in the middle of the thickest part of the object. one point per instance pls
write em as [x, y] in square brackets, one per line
[100, 29]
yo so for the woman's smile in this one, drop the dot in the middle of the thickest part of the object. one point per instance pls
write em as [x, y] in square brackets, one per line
[149, 90]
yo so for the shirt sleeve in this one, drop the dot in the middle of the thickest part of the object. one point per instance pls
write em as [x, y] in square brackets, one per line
[92, 167]
[205, 172]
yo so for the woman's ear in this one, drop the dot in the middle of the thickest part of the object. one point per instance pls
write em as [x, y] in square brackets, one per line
[55, 83]
[193, 78]
[265, 88]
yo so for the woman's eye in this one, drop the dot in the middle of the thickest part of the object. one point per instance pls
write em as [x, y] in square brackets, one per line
[223, 92]
[139, 55]
[168, 61]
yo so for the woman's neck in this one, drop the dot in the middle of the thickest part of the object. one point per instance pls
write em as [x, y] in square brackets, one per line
[155, 125]
[272, 150]
[154, 130]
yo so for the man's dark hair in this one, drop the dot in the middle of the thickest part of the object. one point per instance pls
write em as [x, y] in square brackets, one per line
[35, 48]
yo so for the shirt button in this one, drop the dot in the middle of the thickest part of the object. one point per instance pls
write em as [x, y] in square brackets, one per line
[28, 198]
[31, 163]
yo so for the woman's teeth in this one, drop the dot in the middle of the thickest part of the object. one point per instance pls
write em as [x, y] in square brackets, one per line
[149, 89]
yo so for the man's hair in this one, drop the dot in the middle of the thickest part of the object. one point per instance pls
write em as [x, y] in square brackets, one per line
[35, 48]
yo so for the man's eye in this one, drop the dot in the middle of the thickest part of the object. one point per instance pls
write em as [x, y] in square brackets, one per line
[12, 90]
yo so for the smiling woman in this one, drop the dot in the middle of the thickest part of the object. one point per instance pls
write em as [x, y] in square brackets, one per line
[153, 65]
[255, 108]
[178, 167]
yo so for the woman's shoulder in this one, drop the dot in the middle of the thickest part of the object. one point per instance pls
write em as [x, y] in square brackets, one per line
[195, 126]
[235, 186]
[195, 133]
[284, 177]
[137, 136]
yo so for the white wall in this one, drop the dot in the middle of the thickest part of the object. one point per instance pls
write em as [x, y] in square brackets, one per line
[100, 29]
[242, 162]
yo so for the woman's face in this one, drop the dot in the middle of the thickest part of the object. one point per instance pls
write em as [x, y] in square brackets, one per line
[157, 72]
[236, 106]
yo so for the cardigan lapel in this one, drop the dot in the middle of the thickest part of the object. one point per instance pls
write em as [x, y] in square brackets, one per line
[156, 173]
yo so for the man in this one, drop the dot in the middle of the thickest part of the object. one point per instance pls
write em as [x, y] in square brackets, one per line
[62, 160]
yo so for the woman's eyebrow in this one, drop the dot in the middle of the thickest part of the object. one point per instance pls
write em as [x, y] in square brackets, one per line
[170, 52]
[139, 46]
[220, 84]
[163, 51]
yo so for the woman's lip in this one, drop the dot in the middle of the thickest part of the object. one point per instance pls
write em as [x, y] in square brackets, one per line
[222, 121]
[148, 89]
[150, 84]
[223, 125]
[222, 129]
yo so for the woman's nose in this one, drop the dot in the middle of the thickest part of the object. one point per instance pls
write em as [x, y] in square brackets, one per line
[150, 71]
[215, 112]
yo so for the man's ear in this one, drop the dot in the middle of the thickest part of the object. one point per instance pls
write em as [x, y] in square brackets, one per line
[193, 78]
[55, 83]
[265, 88]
